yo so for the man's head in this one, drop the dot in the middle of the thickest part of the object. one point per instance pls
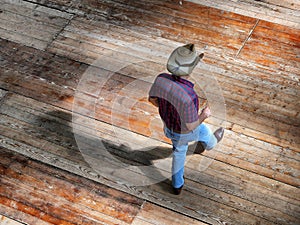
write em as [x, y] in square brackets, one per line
[183, 60]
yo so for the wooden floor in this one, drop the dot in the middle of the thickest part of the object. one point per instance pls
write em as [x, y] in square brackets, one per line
[74, 77]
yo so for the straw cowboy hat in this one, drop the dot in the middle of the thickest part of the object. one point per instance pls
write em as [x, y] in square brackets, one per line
[183, 60]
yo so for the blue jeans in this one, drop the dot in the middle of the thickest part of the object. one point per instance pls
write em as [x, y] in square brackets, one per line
[180, 146]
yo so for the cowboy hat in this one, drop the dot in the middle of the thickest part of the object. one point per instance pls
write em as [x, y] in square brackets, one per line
[183, 60]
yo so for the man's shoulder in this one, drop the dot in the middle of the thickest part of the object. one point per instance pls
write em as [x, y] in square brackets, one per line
[163, 78]
[165, 75]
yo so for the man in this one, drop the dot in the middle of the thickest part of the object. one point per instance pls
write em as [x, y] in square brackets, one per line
[178, 107]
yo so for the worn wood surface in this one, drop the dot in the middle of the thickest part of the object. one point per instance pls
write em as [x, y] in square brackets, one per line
[286, 12]
[85, 78]
[47, 195]
[8, 221]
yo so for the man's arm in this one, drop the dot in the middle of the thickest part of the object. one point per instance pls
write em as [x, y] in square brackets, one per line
[205, 113]
[153, 100]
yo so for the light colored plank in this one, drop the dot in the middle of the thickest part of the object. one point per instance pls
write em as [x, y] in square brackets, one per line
[290, 4]
[20, 38]
[34, 12]
[7, 221]
[36, 32]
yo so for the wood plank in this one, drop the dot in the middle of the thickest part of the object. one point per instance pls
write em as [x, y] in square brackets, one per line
[19, 38]
[16, 24]
[271, 50]
[7, 221]
[18, 215]
[264, 10]
[189, 206]
[153, 214]
[24, 209]
[2, 95]
[284, 12]
[37, 11]
[86, 46]
[99, 203]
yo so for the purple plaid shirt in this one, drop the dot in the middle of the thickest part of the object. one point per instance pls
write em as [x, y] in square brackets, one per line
[177, 101]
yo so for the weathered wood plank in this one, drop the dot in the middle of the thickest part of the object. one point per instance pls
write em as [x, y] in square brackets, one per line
[267, 94]
[97, 204]
[7, 221]
[19, 38]
[264, 10]
[24, 209]
[37, 11]
[152, 214]
[84, 46]
[11, 209]
[2, 95]
[273, 54]
[71, 211]
[33, 31]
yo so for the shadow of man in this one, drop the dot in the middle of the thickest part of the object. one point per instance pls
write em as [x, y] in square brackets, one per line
[56, 127]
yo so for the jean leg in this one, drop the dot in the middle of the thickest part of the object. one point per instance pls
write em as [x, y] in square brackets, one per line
[207, 137]
[179, 156]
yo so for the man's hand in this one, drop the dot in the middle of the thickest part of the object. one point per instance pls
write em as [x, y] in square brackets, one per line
[205, 113]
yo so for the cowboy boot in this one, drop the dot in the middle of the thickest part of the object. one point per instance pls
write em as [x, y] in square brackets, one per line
[219, 133]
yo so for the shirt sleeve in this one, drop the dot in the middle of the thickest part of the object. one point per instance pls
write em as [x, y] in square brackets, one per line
[160, 87]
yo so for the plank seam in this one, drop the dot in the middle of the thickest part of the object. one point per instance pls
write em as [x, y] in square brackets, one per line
[4, 97]
[50, 6]
[249, 36]
[59, 32]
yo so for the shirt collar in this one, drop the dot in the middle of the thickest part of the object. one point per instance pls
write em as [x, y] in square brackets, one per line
[184, 81]
[180, 79]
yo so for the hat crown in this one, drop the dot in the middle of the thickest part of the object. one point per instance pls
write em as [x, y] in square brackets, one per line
[183, 60]
[186, 54]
